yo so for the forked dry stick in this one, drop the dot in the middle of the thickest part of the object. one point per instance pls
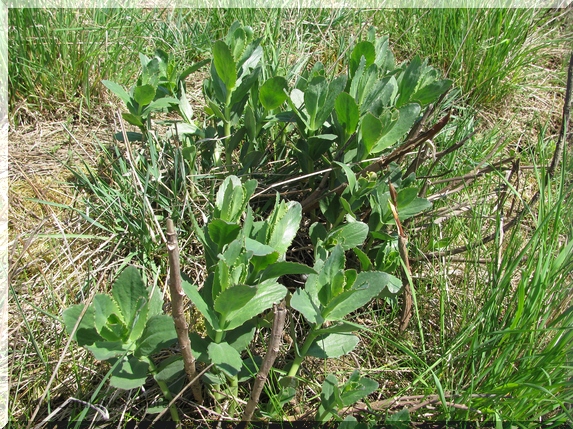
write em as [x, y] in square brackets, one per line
[268, 361]
[403, 249]
[178, 311]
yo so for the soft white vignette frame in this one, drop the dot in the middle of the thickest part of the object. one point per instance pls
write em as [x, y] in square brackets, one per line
[297, 4]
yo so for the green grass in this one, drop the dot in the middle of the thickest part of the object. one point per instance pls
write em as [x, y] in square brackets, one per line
[486, 51]
[497, 323]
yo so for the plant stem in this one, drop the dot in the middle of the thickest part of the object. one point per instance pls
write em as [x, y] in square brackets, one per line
[181, 326]
[299, 357]
[166, 393]
[274, 347]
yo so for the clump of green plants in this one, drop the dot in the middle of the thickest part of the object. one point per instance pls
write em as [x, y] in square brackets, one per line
[327, 161]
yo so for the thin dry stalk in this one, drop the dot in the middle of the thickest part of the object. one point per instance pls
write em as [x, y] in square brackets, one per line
[178, 310]
[268, 361]
[403, 249]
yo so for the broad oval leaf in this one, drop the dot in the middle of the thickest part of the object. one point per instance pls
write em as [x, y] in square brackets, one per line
[333, 345]
[413, 208]
[144, 94]
[267, 294]
[282, 268]
[354, 391]
[348, 236]
[104, 350]
[303, 303]
[367, 286]
[222, 232]
[430, 93]
[159, 333]
[170, 369]
[86, 332]
[132, 119]
[362, 49]
[129, 373]
[272, 92]
[233, 298]
[225, 64]
[370, 128]
[225, 357]
[347, 112]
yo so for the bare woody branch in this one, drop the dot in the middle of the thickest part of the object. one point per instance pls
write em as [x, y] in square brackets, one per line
[178, 311]
[268, 361]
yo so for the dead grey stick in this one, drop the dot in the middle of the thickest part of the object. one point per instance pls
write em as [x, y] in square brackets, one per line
[178, 311]
[268, 361]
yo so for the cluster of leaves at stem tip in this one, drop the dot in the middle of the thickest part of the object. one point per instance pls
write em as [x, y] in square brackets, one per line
[337, 122]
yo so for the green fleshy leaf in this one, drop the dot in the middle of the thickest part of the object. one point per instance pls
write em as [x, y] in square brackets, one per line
[348, 236]
[268, 293]
[129, 374]
[144, 94]
[130, 294]
[132, 119]
[333, 345]
[117, 90]
[226, 358]
[356, 388]
[233, 299]
[430, 93]
[272, 92]
[284, 229]
[409, 81]
[193, 294]
[408, 115]
[86, 333]
[362, 49]
[347, 113]
[371, 129]
[225, 64]
[159, 333]
[104, 350]
[305, 305]
[283, 268]
[368, 285]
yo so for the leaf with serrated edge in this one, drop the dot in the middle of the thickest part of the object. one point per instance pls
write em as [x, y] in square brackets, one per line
[159, 333]
[128, 291]
[225, 64]
[285, 229]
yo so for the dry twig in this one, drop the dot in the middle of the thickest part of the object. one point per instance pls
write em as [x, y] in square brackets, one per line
[178, 311]
[268, 361]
